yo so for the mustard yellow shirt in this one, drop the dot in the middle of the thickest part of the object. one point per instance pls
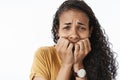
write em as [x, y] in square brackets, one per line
[46, 63]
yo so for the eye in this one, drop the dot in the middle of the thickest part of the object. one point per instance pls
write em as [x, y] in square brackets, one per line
[81, 28]
[66, 27]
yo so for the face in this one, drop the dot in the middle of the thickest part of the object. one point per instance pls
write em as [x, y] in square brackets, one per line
[74, 25]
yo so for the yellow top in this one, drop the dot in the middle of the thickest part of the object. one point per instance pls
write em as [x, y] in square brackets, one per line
[46, 63]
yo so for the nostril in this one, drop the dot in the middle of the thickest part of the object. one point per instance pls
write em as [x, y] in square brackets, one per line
[74, 38]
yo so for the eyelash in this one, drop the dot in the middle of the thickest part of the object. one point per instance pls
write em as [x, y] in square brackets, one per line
[83, 28]
[66, 27]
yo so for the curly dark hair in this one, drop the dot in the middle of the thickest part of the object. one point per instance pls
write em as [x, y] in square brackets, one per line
[100, 63]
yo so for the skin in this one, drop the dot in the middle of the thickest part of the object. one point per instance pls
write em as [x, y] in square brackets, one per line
[73, 32]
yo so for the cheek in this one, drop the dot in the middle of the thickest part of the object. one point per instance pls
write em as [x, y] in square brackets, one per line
[63, 34]
[83, 35]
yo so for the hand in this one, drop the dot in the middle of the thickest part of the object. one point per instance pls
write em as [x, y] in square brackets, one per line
[64, 49]
[82, 48]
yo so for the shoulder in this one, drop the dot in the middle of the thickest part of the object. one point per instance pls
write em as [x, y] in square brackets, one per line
[44, 50]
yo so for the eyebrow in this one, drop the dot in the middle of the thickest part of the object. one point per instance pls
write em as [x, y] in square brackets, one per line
[69, 23]
[81, 23]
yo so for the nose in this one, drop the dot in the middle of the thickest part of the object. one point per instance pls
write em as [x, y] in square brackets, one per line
[74, 36]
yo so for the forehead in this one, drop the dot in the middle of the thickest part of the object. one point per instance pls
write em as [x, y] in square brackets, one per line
[73, 15]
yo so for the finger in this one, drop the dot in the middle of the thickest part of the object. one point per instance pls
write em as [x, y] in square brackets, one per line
[60, 42]
[61, 45]
[70, 47]
[86, 49]
[88, 44]
[82, 48]
[65, 44]
[77, 47]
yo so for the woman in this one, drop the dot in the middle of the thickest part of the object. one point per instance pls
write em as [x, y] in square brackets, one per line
[81, 51]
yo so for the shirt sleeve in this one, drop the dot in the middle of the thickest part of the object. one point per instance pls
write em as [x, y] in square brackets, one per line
[40, 66]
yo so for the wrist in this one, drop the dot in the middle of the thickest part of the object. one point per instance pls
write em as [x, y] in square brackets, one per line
[66, 66]
[77, 67]
[80, 73]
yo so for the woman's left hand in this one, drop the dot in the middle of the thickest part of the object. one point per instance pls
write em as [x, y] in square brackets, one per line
[82, 48]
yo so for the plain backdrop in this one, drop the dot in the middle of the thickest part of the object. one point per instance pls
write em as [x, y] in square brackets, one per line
[25, 25]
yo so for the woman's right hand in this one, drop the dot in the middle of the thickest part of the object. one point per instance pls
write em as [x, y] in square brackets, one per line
[64, 49]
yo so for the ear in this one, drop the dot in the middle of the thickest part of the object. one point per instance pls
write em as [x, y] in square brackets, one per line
[91, 29]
